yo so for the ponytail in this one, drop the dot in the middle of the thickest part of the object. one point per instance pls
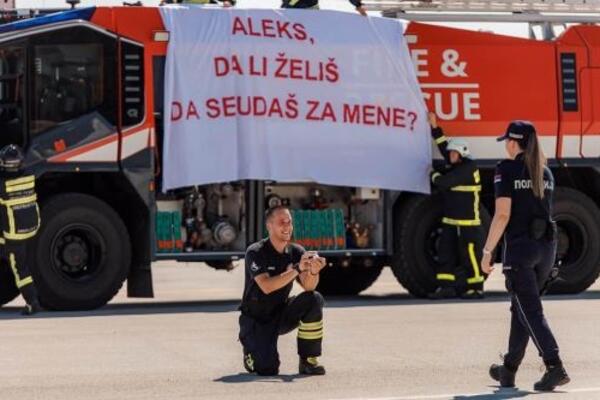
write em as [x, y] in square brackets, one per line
[535, 161]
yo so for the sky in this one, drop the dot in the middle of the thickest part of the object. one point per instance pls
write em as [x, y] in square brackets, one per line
[341, 5]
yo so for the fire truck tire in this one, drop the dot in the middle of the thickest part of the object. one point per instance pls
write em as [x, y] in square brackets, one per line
[417, 229]
[82, 253]
[359, 274]
[578, 220]
[412, 264]
[8, 288]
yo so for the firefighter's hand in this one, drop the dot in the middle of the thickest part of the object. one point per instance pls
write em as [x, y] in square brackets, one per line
[432, 119]
[486, 264]
[362, 11]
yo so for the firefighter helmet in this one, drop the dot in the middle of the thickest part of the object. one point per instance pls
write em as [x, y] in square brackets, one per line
[460, 146]
[11, 157]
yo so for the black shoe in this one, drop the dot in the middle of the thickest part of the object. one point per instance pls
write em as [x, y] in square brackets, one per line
[310, 366]
[472, 294]
[554, 376]
[31, 309]
[249, 363]
[503, 375]
[442, 293]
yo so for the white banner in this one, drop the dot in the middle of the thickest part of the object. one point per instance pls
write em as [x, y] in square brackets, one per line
[291, 95]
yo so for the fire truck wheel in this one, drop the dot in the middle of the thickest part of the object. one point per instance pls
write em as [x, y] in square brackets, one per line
[578, 220]
[8, 288]
[348, 277]
[81, 254]
[417, 230]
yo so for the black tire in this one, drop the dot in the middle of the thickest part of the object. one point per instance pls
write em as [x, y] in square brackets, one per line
[349, 277]
[81, 255]
[578, 220]
[8, 288]
[417, 228]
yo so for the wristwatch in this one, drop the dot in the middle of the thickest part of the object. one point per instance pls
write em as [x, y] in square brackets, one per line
[296, 267]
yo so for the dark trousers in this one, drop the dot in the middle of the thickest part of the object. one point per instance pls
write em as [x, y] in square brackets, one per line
[259, 337]
[16, 254]
[460, 247]
[527, 266]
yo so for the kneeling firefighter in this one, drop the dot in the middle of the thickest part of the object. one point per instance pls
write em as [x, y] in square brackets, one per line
[19, 221]
[462, 236]
[272, 266]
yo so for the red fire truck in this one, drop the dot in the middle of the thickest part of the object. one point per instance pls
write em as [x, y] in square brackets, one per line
[82, 92]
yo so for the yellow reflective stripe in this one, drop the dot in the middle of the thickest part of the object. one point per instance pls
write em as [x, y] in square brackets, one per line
[476, 206]
[435, 176]
[293, 2]
[441, 140]
[463, 222]
[20, 181]
[19, 236]
[477, 176]
[466, 188]
[19, 200]
[477, 278]
[18, 281]
[310, 336]
[2, 241]
[445, 277]
[311, 325]
[24, 282]
[16, 188]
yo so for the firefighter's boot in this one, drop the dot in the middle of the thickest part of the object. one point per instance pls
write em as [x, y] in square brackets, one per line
[310, 366]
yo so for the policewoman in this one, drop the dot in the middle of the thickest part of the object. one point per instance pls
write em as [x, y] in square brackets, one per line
[524, 188]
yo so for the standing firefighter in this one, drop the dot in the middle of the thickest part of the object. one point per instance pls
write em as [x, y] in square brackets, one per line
[20, 221]
[272, 265]
[314, 4]
[462, 234]
[524, 188]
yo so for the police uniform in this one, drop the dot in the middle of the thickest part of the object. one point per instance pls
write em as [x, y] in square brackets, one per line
[311, 3]
[19, 221]
[266, 316]
[527, 262]
[462, 237]
[528, 257]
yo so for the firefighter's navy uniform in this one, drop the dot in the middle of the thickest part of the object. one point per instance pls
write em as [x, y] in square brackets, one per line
[462, 234]
[311, 3]
[528, 258]
[19, 221]
[266, 316]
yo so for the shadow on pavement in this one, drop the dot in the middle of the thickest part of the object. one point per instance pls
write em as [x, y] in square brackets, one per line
[245, 378]
[224, 306]
[499, 393]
